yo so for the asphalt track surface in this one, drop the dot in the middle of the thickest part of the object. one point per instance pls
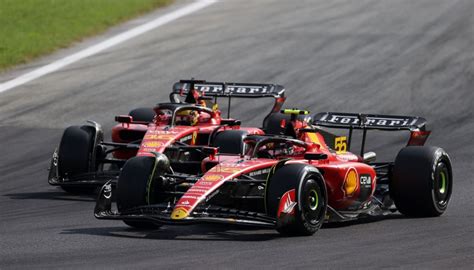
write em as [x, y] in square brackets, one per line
[372, 56]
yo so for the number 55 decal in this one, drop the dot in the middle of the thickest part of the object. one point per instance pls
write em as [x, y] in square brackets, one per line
[340, 144]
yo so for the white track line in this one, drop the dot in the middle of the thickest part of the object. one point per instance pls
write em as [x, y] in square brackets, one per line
[160, 21]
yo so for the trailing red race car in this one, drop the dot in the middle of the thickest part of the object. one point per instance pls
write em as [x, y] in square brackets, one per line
[292, 182]
[180, 129]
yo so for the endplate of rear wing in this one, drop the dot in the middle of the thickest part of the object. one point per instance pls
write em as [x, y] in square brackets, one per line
[369, 121]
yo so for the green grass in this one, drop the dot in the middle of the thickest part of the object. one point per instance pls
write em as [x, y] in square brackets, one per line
[31, 28]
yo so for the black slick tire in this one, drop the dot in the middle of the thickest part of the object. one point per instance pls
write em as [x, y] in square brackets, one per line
[421, 184]
[132, 188]
[230, 141]
[311, 198]
[74, 155]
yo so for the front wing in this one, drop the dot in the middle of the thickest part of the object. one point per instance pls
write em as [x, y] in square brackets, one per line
[161, 213]
[91, 179]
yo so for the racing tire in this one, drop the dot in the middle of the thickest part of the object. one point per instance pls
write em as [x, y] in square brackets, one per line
[422, 182]
[310, 198]
[74, 155]
[143, 114]
[132, 188]
[230, 141]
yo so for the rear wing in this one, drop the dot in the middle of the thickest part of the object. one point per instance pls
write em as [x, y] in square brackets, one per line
[230, 90]
[416, 125]
[369, 121]
[223, 89]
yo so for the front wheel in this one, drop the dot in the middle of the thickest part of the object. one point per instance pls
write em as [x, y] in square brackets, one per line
[74, 156]
[296, 196]
[422, 181]
[132, 188]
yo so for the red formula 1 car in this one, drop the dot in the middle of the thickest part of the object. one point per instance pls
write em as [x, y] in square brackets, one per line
[292, 182]
[181, 130]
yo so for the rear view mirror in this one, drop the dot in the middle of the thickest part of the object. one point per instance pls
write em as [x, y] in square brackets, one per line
[230, 122]
[124, 119]
[315, 156]
[369, 157]
[211, 151]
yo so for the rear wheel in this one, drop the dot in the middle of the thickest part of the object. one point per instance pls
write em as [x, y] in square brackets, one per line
[422, 182]
[230, 141]
[307, 215]
[132, 188]
[74, 155]
[143, 114]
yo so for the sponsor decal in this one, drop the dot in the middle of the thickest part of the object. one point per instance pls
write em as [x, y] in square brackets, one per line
[196, 190]
[148, 149]
[287, 203]
[259, 172]
[212, 177]
[108, 191]
[163, 137]
[214, 193]
[179, 213]
[237, 89]
[234, 165]
[205, 183]
[152, 144]
[161, 132]
[350, 182]
[365, 179]
[186, 138]
[365, 187]
[228, 170]
[190, 197]
[371, 120]
[347, 156]
[183, 203]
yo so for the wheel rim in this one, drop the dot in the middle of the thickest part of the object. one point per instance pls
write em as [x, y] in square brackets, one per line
[313, 206]
[442, 187]
[313, 199]
[442, 183]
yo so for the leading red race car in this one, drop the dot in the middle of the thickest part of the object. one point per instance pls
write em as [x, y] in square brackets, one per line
[292, 182]
[180, 129]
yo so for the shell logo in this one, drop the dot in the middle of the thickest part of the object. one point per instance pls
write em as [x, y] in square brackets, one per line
[213, 177]
[350, 182]
[153, 144]
[179, 213]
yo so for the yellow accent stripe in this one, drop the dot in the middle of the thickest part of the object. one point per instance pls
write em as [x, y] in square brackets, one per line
[295, 111]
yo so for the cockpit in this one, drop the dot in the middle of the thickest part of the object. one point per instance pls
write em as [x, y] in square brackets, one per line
[184, 115]
[274, 147]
